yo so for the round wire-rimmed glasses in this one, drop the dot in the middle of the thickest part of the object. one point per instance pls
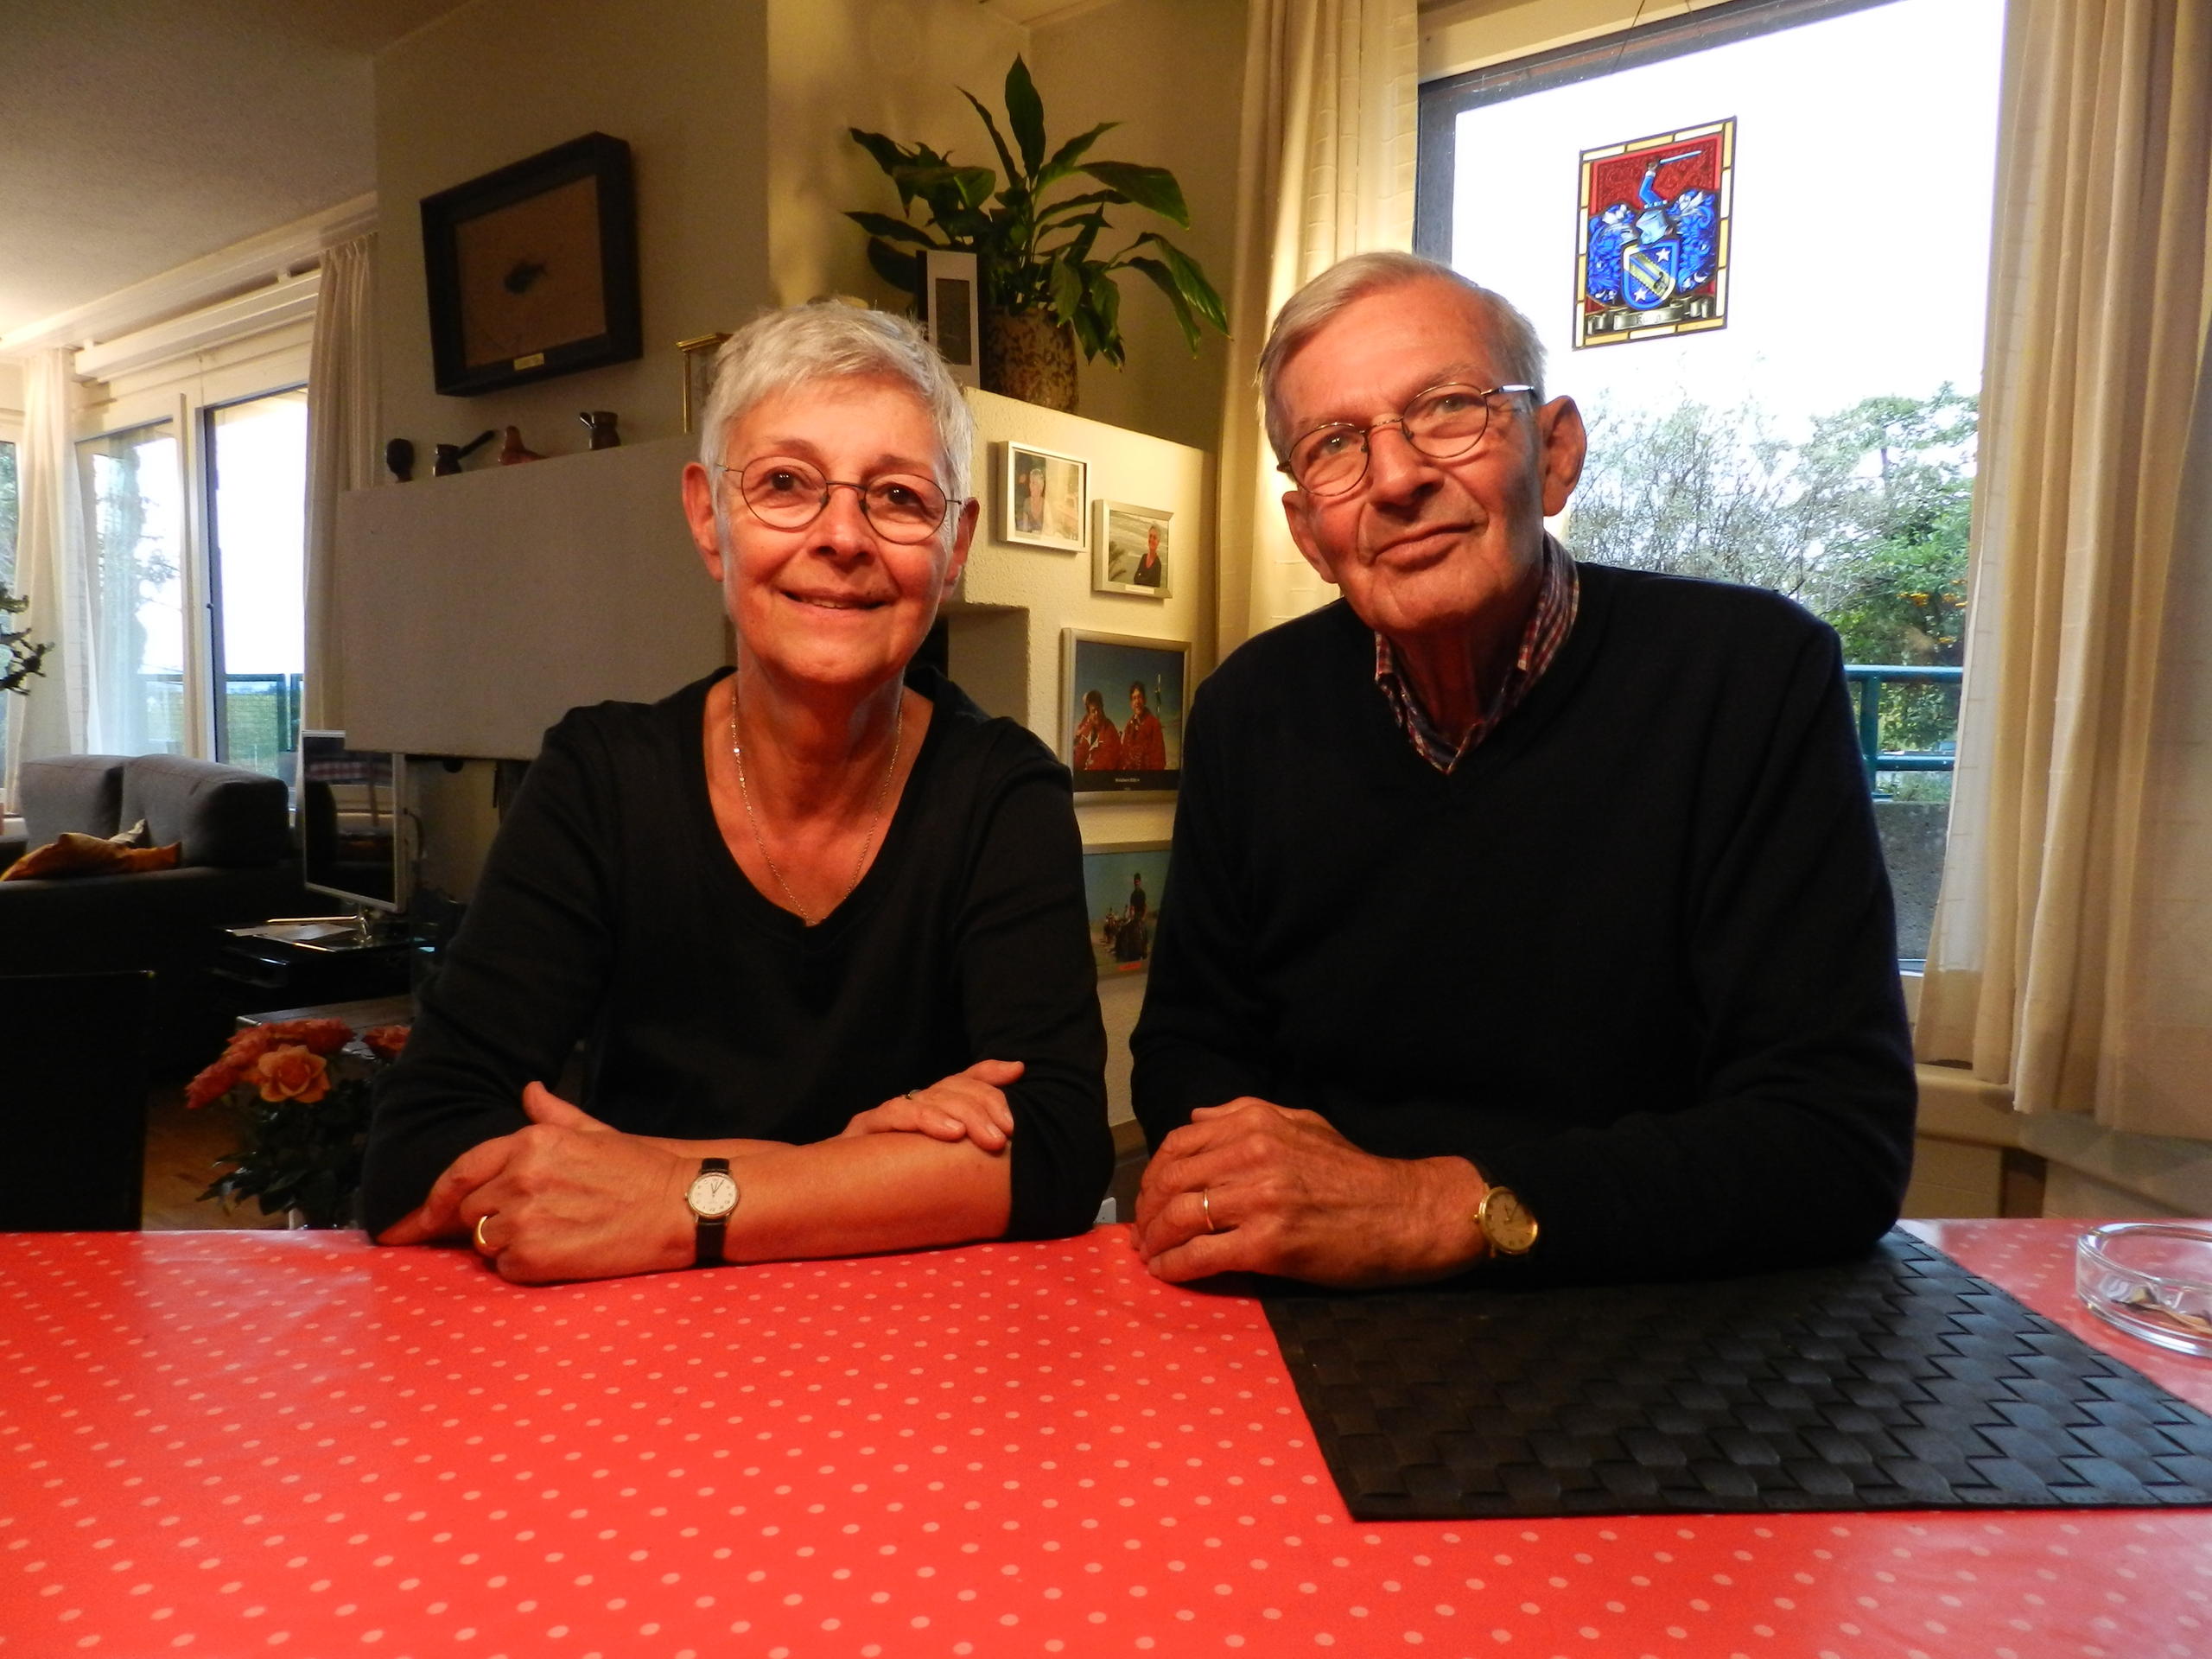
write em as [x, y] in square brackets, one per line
[789, 494]
[1444, 424]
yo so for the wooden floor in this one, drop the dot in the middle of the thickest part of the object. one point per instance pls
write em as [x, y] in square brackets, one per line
[182, 1147]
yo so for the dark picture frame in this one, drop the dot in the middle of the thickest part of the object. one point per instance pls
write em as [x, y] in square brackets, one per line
[532, 270]
[1109, 668]
[1122, 933]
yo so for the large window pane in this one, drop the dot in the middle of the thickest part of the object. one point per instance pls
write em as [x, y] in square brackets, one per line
[258, 469]
[134, 489]
[10, 624]
[1822, 442]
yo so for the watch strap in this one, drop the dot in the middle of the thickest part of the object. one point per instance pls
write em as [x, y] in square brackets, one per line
[710, 1230]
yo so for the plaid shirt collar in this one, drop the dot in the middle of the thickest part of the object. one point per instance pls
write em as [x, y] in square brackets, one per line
[1550, 621]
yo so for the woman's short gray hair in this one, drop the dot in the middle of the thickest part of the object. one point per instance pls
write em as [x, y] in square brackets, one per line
[829, 340]
[1521, 354]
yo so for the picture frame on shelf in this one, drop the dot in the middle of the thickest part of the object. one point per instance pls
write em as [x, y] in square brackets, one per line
[1131, 551]
[1044, 497]
[699, 353]
[1121, 704]
[1124, 889]
[532, 270]
[951, 313]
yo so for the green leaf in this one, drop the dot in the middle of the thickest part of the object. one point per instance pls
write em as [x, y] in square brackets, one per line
[1071, 204]
[1006, 156]
[902, 270]
[889, 155]
[1025, 113]
[1192, 283]
[1067, 289]
[1065, 157]
[1148, 186]
[1164, 280]
[892, 230]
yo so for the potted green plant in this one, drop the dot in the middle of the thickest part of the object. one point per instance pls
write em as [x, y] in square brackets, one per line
[1044, 285]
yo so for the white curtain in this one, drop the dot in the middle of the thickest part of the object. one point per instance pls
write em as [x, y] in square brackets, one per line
[1325, 170]
[342, 451]
[59, 712]
[2072, 956]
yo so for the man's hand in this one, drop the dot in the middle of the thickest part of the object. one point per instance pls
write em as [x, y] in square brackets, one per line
[968, 1105]
[1285, 1194]
[566, 1197]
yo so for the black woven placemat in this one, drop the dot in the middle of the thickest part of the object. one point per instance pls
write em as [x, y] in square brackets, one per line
[1900, 1381]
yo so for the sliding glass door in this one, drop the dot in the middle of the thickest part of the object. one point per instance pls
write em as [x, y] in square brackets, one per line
[134, 497]
[256, 490]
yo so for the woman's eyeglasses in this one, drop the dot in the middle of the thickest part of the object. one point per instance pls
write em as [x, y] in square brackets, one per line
[1444, 424]
[790, 495]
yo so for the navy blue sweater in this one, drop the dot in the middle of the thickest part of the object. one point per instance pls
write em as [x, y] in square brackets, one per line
[1635, 957]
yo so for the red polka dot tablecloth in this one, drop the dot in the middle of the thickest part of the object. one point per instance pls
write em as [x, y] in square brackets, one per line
[299, 1445]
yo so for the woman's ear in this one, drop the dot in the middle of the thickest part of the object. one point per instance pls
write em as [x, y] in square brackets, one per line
[699, 513]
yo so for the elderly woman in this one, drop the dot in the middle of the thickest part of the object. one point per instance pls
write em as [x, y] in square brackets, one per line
[818, 922]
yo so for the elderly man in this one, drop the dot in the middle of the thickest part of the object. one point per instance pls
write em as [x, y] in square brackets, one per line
[1528, 915]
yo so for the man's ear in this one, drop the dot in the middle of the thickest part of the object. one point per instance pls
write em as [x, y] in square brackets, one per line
[1565, 446]
[1298, 513]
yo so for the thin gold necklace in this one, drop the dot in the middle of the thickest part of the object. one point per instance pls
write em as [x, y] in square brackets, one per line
[875, 814]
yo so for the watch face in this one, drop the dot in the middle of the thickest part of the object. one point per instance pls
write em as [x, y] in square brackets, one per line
[1507, 1222]
[712, 1195]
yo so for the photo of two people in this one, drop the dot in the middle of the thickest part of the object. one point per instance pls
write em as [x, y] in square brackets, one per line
[1123, 709]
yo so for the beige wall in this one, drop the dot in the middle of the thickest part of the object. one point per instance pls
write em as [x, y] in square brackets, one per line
[683, 82]
[1172, 74]
[893, 66]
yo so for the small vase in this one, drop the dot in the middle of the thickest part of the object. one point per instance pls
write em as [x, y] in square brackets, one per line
[1028, 355]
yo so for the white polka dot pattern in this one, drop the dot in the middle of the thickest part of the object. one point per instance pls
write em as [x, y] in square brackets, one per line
[250, 1443]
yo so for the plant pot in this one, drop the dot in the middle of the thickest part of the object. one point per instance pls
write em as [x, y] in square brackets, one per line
[1028, 355]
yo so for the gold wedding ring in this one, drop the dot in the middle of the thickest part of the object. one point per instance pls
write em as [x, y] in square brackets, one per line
[1205, 1208]
[482, 1244]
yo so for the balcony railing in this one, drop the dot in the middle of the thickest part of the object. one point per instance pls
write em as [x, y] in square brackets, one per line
[1868, 683]
[260, 717]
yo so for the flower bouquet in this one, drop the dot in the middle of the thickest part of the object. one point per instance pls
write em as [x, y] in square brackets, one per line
[301, 1091]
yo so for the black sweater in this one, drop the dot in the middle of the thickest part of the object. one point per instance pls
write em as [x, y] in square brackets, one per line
[610, 910]
[1634, 958]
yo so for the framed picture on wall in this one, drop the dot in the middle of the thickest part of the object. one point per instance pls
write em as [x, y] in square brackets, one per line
[1121, 703]
[1124, 888]
[1129, 551]
[532, 270]
[699, 353]
[1044, 497]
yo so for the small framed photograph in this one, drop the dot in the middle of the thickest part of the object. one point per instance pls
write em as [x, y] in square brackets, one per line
[1044, 499]
[949, 311]
[1130, 551]
[1121, 703]
[532, 270]
[1124, 886]
[699, 353]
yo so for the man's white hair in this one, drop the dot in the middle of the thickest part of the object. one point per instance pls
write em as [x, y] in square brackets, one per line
[828, 341]
[1521, 354]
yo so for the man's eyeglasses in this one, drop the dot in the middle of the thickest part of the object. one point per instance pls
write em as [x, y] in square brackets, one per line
[790, 495]
[1444, 424]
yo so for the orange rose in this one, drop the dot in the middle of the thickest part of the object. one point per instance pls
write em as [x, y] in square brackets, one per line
[385, 1042]
[320, 1036]
[212, 1084]
[292, 1073]
[248, 1047]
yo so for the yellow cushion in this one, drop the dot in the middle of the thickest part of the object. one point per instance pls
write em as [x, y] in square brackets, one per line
[76, 854]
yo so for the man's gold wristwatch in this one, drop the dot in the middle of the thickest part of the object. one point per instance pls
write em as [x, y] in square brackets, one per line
[1506, 1223]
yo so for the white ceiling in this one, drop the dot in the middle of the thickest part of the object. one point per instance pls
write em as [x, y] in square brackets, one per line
[136, 135]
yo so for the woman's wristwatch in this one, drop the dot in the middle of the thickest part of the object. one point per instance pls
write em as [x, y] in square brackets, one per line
[712, 1197]
[1506, 1224]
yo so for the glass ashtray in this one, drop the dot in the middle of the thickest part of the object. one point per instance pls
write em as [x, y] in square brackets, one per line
[2152, 1279]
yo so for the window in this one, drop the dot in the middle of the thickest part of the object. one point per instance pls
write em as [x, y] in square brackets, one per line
[134, 500]
[1820, 439]
[9, 495]
[257, 494]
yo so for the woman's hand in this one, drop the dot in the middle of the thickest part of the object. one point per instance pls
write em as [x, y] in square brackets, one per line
[970, 1105]
[566, 1197]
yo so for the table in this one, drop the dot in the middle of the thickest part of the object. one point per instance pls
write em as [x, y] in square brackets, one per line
[272, 1444]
